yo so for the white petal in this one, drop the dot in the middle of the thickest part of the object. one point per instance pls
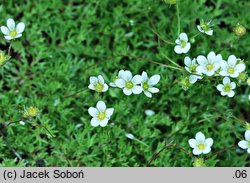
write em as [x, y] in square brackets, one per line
[247, 135]
[209, 73]
[187, 48]
[91, 86]
[209, 142]
[192, 143]
[137, 79]
[101, 80]
[243, 144]
[137, 89]
[153, 90]
[232, 60]
[120, 83]
[223, 93]
[248, 150]
[112, 84]
[219, 87]
[101, 106]
[93, 111]
[200, 69]
[121, 72]
[192, 79]
[202, 60]
[178, 49]
[11, 24]
[148, 94]
[234, 75]
[210, 32]
[240, 67]
[183, 36]
[154, 80]
[226, 80]
[127, 91]
[200, 137]
[224, 73]
[144, 76]
[127, 75]
[206, 150]
[104, 122]
[20, 27]
[233, 85]
[223, 64]
[231, 94]
[5, 30]
[211, 56]
[109, 112]
[197, 152]
[8, 37]
[177, 41]
[94, 122]
[93, 80]
[199, 28]
[187, 61]
[105, 88]
[18, 35]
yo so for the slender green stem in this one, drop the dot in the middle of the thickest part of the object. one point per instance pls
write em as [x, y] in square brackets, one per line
[9, 48]
[178, 19]
[164, 40]
[76, 93]
[141, 142]
[170, 60]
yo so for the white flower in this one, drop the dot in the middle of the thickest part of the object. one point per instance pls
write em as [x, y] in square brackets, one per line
[148, 83]
[12, 31]
[231, 68]
[191, 66]
[149, 112]
[183, 45]
[129, 83]
[117, 77]
[205, 27]
[227, 87]
[21, 122]
[245, 144]
[98, 84]
[210, 64]
[100, 114]
[129, 135]
[200, 145]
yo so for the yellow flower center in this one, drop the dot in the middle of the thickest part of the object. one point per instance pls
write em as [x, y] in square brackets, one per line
[13, 33]
[205, 26]
[145, 86]
[183, 44]
[192, 68]
[210, 67]
[101, 116]
[129, 85]
[227, 88]
[230, 70]
[99, 87]
[201, 146]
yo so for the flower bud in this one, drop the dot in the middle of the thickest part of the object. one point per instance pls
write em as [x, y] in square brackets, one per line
[30, 112]
[185, 83]
[199, 162]
[3, 58]
[247, 126]
[240, 30]
[248, 81]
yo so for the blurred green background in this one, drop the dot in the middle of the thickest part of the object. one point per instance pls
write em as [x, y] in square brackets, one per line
[66, 42]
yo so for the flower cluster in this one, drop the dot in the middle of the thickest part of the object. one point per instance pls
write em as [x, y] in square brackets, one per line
[210, 65]
[128, 83]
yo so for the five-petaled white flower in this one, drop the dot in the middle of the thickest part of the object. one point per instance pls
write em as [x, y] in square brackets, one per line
[129, 83]
[117, 77]
[98, 84]
[205, 27]
[191, 66]
[210, 64]
[183, 45]
[227, 87]
[12, 31]
[200, 145]
[245, 144]
[101, 114]
[231, 68]
[148, 83]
